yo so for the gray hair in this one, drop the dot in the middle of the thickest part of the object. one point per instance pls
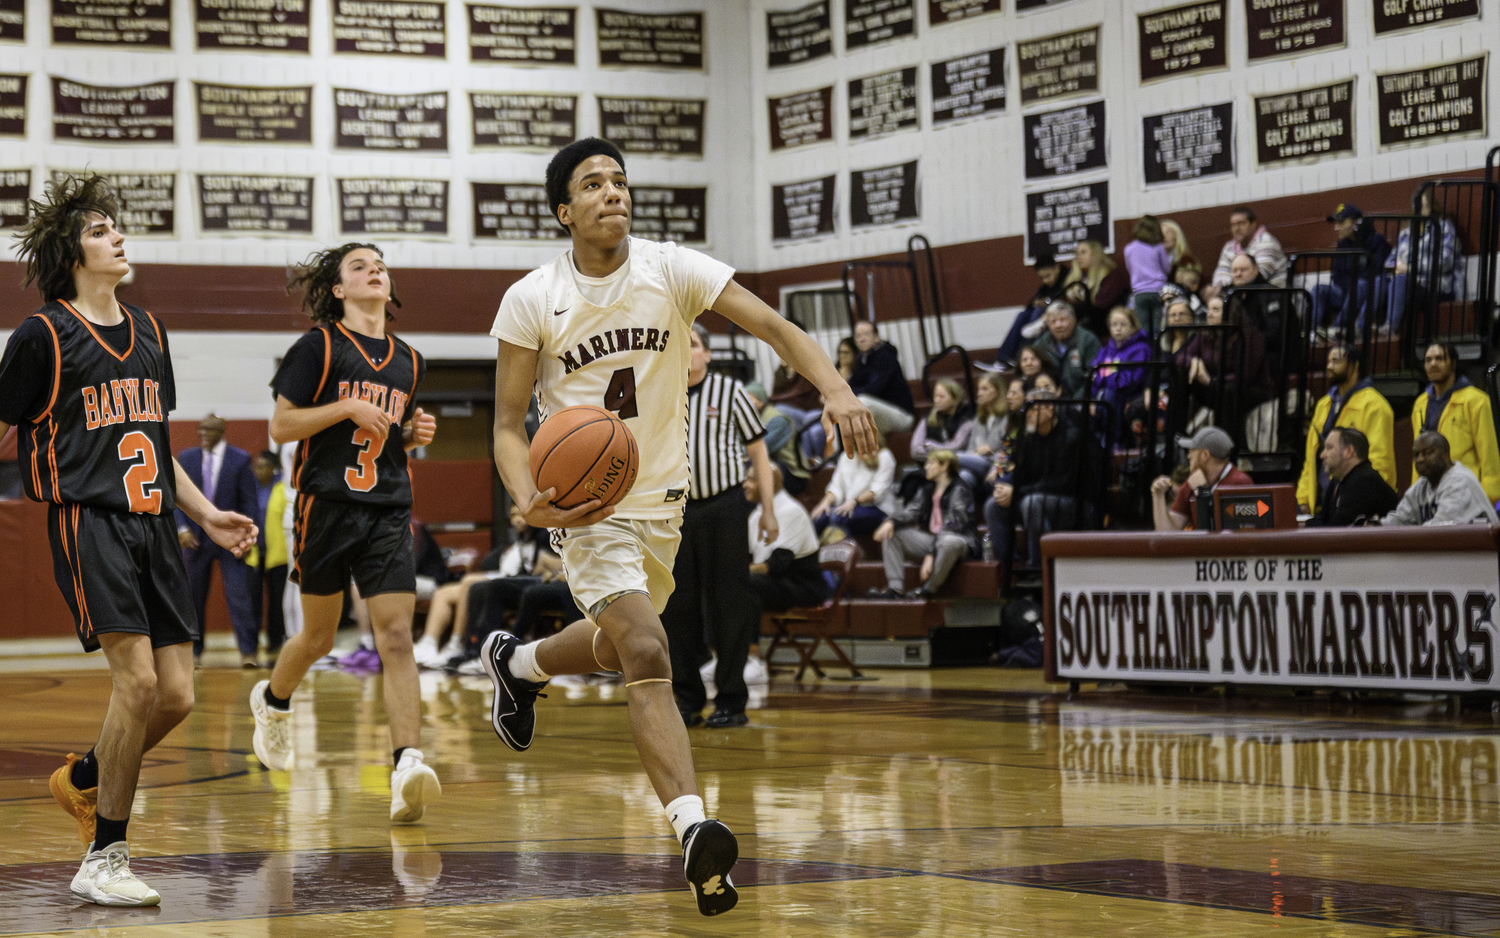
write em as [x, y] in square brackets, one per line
[1061, 306]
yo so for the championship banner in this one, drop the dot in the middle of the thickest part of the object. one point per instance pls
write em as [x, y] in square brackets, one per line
[253, 115]
[1300, 124]
[803, 210]
[1412, 620]
[15, 190]
[1067, 141]
[99, 114]
[1394, 15]
[800, 119]
[1294, 27]
[1059, 66]
[393, 206]
[370, 121]
[667, 213]
[514, 211]
[145, 23]
[1183, 40]
[13, 105]
[524, 121]
[264, 205]
[799, 35]
[883, 104]
[391, 27]
[148, 202]
[972, 86]
[883, 196]
[256, 25]
[653, 125]
[1059, 220]
[1432, 103]
[1182, 145]
[867, 22]
[12, 20]
[523, 35]
[940, 12]
[652, 40]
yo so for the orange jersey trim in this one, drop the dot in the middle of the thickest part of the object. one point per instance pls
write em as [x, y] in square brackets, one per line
[103, 344]
[390, 348]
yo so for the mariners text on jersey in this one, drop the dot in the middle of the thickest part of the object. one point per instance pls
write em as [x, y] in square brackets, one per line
[612, 341]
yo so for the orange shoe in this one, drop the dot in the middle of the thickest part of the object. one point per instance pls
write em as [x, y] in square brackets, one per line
[83, 804]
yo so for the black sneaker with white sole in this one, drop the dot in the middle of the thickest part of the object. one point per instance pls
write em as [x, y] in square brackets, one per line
[513, 712]
[708, 853]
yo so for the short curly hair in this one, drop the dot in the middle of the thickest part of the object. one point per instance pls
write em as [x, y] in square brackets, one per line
[316, 277]
[49, 242]
[560, 169]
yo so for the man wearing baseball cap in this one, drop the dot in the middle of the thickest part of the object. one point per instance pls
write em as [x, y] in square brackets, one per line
[1209, 465]
[1331, 299]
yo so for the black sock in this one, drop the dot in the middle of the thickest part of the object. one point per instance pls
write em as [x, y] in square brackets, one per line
[397, 754]
[108, 832]
[85, 774]
[279, 703]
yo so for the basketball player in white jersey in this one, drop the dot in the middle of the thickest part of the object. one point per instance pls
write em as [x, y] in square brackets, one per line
[607, 324]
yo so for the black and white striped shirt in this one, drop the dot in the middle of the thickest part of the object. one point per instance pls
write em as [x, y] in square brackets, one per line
[721, 421]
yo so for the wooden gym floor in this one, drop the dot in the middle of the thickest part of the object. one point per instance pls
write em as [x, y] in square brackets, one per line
[927, 803]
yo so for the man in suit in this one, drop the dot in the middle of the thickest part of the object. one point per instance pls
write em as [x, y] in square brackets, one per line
[225, 475]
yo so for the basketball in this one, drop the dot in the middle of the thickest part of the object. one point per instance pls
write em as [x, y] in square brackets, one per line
[584, 453]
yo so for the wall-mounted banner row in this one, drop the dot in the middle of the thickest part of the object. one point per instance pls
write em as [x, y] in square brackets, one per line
[255, 204]
[1059, 66]
[800, 119]
[1059, 220]
[653, 40]
[1067, 141]
[517, 211]
[515, 36]
[393, 206]
[1440, 101]
[883, 104]
[1182, 145]
[806, 33]
[254, 115]
[800, 35]
[1295, 125]
[523, 121]
[886, 195]
[1182, 40]
[147, 201]
[801, 211]
[970, 86]
[663, 126]
[137, 114]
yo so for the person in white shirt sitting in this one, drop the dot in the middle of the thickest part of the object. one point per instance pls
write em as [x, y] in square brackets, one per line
[858, 496]
[784, 574]
[1444, 492]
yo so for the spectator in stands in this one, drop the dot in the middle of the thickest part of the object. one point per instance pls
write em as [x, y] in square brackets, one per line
[1030, 322]
[1072, 346]
[1094, 285]
[847, 356]
[1357, 494]
[1186, 282]
[1209, 467]
[1176, 244]
[1150, 268]
[858, 495]
[879, 381]
[1246, 237]
[1127, 345]
[1443, 491]
[948, 424]
[1178, 330]
[991, 413]
[936, 523]
[1034, 360]
[1351, 278]
[1462, 414]
[1436, 272]
[1261, 311]
[1227, 371]
[267, 561]
[1043, 490]
[781, 438]
[796, 396]
[785, 573]
[1350, 402]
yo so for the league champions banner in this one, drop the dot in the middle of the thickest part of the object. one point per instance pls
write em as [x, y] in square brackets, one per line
[15, 189]
[1416, 620]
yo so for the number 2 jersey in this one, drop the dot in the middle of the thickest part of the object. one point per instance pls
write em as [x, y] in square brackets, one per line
[344, 462]
[90, 403]
[620, 342]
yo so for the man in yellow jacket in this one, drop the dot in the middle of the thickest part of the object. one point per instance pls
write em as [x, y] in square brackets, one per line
[1462, 414]
[1350, 402]
[268, 559]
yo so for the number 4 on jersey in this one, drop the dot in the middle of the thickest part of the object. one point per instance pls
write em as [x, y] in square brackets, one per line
[619, 397]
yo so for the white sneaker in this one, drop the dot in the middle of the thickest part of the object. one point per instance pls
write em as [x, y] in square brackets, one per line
[105, 879]
[413, 785]
[707, 671]
[273, 731]
[472, 666]
[755, 670]
[426, 653]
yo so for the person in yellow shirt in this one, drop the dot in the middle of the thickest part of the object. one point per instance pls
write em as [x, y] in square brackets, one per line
[1462, 414]
[267, 560]
[1350, 402]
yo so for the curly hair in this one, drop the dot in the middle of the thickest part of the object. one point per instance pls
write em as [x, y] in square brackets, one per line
[49, 242]
[316, 277]
[560, 168]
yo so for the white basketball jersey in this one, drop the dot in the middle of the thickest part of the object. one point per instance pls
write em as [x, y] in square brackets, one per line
[628, 354]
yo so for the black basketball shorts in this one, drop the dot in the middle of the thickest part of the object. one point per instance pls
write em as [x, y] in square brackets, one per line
[121, 572]
[337, 541]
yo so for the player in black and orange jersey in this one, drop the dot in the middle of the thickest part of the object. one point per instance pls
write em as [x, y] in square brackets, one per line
[346, 390]
[87, 380]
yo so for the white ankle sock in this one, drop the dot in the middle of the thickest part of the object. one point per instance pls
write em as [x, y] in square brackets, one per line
[684, 812]
[523, 664]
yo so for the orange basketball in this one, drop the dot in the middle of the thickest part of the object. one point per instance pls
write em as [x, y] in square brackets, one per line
[584, 453]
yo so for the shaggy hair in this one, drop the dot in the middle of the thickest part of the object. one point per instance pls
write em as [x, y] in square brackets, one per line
[50, 241]
[316, 277]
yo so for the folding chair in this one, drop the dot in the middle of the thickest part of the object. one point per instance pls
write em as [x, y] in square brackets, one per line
[804, 628]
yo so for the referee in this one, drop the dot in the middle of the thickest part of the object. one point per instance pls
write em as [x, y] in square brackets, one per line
[712, 599]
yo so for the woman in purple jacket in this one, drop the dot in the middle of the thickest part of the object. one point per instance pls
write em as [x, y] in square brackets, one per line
[1127, 344]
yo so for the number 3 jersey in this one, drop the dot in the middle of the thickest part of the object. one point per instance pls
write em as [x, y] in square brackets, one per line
[344, 462]
[91, 403]
[620, 342]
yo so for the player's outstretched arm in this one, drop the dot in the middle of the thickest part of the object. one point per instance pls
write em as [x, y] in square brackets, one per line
[515, 371]
[229, 529]
[841, 408]
[291, 423]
